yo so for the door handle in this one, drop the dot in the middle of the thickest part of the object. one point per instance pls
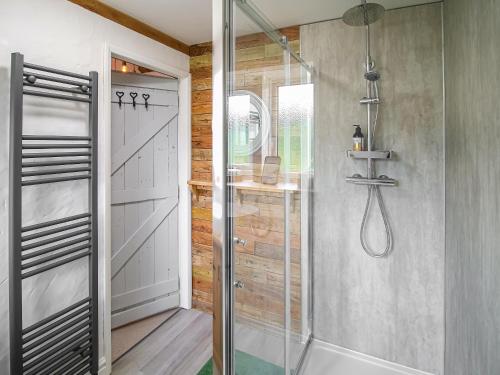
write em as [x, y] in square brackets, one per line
[239, 284]
[240, 241]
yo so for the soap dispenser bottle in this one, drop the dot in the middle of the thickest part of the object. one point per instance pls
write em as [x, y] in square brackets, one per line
[358, 139]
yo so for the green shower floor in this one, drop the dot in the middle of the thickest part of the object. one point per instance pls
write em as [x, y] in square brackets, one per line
[247, 364]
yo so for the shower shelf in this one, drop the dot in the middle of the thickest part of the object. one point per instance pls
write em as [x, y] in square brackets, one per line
[381, 181]
[370, 154]
[195, 186]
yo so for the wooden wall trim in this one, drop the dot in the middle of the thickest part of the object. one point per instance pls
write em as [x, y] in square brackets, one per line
[132, 23]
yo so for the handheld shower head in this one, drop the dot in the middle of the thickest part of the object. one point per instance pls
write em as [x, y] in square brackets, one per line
[372, 75]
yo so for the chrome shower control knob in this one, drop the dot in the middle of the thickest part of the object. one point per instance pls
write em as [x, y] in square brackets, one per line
[239, 284]
[240, 241]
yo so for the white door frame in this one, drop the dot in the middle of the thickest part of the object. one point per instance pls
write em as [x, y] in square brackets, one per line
[104, 178]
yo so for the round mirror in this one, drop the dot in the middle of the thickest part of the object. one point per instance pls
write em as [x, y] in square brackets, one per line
[249, 123]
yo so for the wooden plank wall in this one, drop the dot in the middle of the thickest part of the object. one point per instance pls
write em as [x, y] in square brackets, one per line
[260, 263]
[259, 65]
[201, 143]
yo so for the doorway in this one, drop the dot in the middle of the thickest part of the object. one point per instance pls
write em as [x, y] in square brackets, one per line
[145, 156]
[144, 202]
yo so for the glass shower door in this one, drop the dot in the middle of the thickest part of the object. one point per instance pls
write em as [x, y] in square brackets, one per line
[269, 169]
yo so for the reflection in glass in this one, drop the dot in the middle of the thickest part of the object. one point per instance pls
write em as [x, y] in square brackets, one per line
[295, 119]
[270, 111]
[249, 123]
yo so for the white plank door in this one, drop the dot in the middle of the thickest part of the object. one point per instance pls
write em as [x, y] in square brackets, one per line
[144, 199]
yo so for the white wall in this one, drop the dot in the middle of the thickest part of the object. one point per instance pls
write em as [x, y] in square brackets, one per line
[59, 34]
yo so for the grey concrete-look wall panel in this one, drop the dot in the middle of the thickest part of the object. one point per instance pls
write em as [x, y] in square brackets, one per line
[472, 76]
[391, 308]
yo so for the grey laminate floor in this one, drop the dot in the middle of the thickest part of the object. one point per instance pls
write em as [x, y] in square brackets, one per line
[125, 338]
[180, 346]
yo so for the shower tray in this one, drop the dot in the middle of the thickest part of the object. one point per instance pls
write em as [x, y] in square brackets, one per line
[325, 358]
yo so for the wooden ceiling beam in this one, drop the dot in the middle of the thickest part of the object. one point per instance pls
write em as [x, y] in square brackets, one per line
[132, 23]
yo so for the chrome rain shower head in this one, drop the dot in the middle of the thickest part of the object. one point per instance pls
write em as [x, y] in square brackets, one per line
[364, 14]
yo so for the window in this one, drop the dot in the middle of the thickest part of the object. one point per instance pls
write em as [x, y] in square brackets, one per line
[249, 123]
[295, 109]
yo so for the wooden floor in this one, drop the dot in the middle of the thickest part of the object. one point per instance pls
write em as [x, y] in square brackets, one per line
[125, 338]
[180, 346]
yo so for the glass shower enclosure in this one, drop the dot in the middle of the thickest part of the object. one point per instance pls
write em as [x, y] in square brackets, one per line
[262, 317]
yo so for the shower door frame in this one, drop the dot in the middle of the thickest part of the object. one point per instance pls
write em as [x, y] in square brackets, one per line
[221, 222]
[223, 290]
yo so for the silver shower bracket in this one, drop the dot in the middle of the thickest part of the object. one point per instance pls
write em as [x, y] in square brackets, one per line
[366, 100]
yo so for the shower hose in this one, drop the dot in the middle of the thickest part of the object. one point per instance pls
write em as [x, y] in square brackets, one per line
[374, 191]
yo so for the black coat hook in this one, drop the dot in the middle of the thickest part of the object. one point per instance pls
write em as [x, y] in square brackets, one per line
[120, 95]
[133, 95]
[146, 97]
